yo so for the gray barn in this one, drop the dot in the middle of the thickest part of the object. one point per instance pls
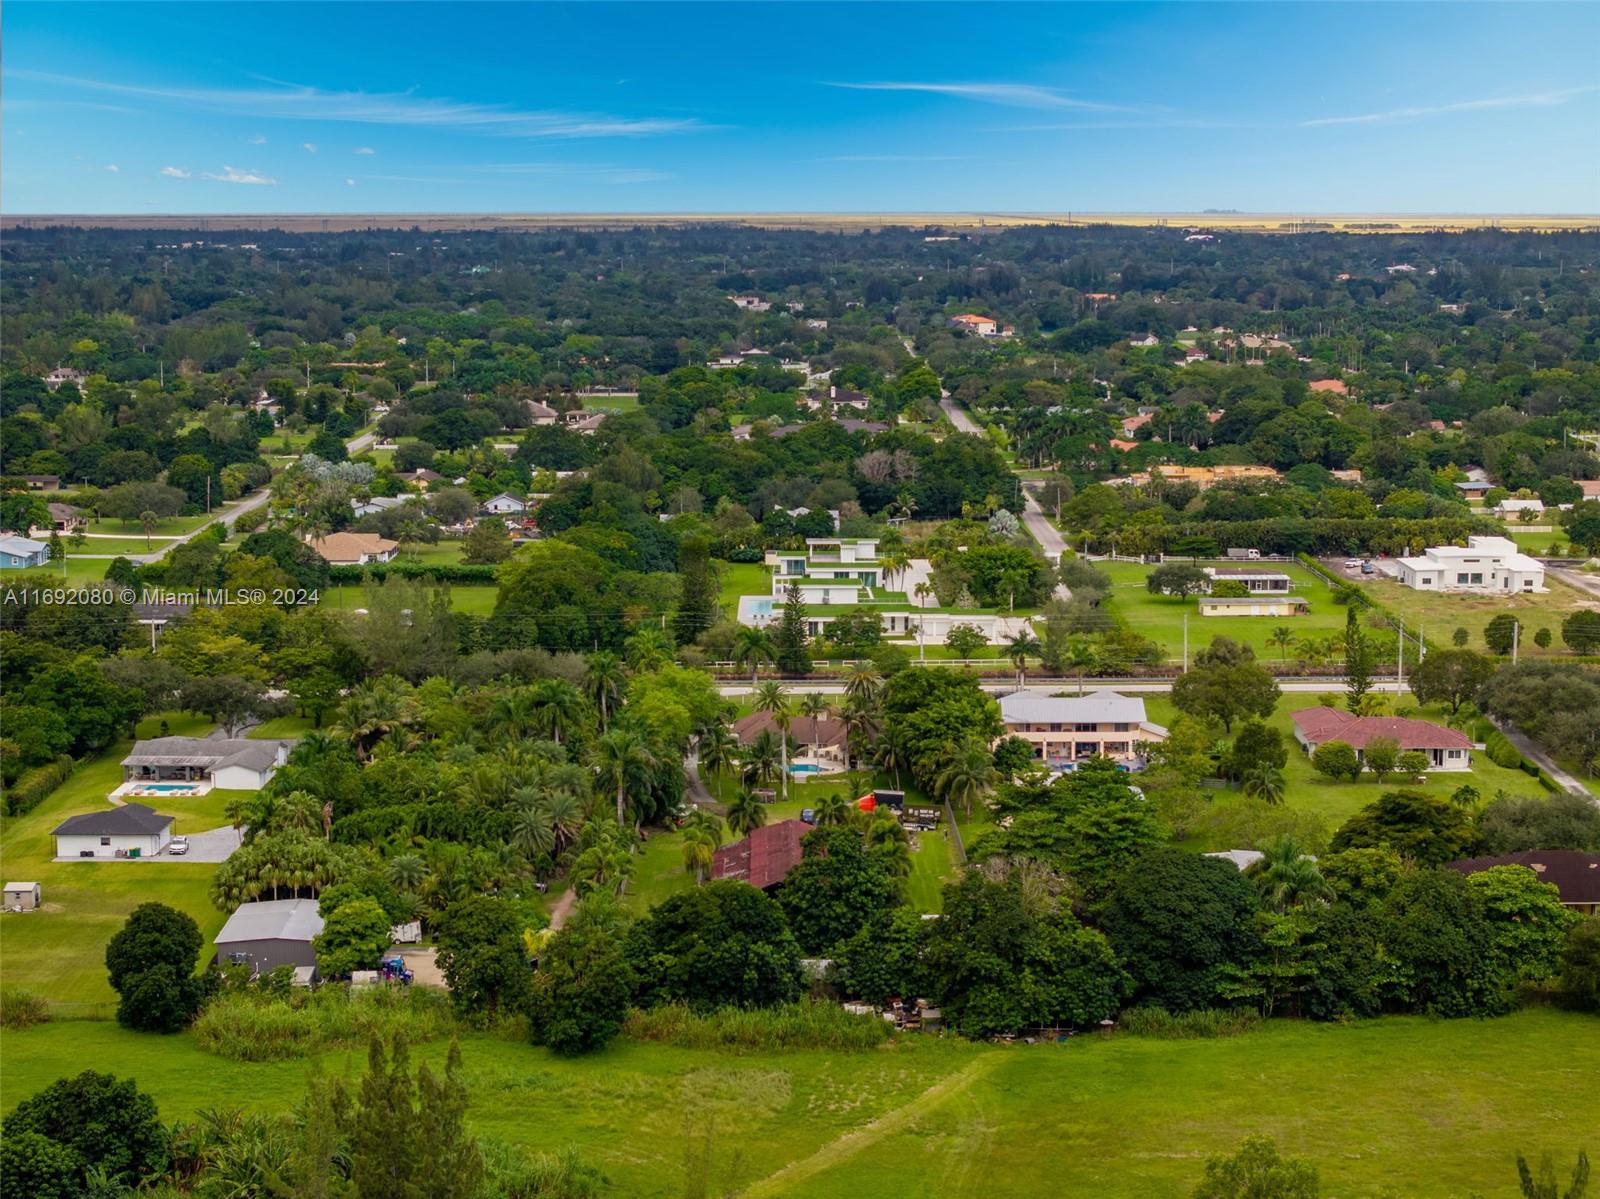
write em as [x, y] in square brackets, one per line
[270, 933]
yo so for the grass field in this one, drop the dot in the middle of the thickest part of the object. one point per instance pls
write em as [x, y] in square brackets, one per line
[120, 545]
[59, 952]
[1161, 617]
[473, 599]
[1407, 1106]
[1440, 614]
[442, 553]
[1540, 544]
[286, 726]
[171, 526]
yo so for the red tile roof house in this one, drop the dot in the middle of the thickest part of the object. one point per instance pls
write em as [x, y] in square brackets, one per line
[765, 857]
[1446, 748]
[1575, 875]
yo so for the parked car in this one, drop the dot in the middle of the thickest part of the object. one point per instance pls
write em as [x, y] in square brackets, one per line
[1352, 563]
[178, 846]
[1367, 568]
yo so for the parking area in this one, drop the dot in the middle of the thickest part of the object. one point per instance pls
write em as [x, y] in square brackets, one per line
[213, 845]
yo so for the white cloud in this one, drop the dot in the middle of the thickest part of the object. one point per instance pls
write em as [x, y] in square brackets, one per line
[257, 140]
[297, 102]
[1011, 95]
[175, 172]
[113, 167]
[309, 147]
[365, 150]
[235, 175]
[1532, 100]
[349, 182]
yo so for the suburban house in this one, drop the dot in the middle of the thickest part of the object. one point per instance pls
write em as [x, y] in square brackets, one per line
[64, 374]
[22, 553]
[751, 303]
[233, 764]
[421, 477]
[1202, 477]
[1574, 874]
[1485, 565]
[504, 504]
[64, 519]
[971, 322]
[129, 831]
[826, 558]
[42, 482]
[541, 413]
[1256, 579]
[355, 549]
[379, 503]
[1589, 487]
[823, 737]
[1446, 748]
[765, 857]
[1065, 728]
[587, 423]
[269, 933]
[1475, 487]
[1511, 509]
[1253, 605]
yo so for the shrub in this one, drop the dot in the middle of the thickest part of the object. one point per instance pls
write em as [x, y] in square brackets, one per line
[249, 1026]
[805, 1025]
[1201, 1024]
[22, 1009]
[1501, 752]
[26, 793]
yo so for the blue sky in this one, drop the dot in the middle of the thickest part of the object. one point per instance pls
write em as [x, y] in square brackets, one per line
[367, 107]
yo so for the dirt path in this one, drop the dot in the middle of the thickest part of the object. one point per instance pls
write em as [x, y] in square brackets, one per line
[563, 909]
[843, 1148]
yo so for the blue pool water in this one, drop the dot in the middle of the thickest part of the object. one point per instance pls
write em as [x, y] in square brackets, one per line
[183, 788]
[807, 769]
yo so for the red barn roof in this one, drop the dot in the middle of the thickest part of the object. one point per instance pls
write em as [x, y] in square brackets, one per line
[765, 857]
[1319, 725]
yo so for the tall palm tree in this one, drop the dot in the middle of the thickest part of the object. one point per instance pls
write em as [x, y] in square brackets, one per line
[752, 647]
[717, 748]
[814, 705]
[862, 681]
[773, 698]
[649, 649]
[558, 707]
[969, 774]
[762, 758]
[699, 849]
[1283, 638]
[1287, 877]
[888, 841]
[514, 714]
[745, 814]
[407, 872]
[1265, 782]
[624, 760]
[602, 680]
[892, 753]
[1018, 649]
[834, 810]
[531, 832]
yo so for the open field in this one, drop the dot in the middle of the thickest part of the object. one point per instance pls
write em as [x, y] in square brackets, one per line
[530, 222]
[1160, 617]
[472, 599]
[120, 545]
[59, 952]
[440, 553]
[169, 526]
[1405, 1105]
[1439, 614]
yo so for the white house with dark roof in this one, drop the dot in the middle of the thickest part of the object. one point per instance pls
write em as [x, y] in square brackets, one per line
[234, 764]
[1067, 728]
[129, 831]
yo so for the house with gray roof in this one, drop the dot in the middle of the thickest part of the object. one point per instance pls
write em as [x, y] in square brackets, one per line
[233, 763]
[129, 831]
[23, 553]
[1065, 729]
[269, 933]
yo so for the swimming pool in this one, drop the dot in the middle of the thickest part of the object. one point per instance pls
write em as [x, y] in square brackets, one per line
[170, 788]
[805, 768]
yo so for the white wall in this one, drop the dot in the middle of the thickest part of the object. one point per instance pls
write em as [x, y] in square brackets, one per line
[148, 844]
[239, 778]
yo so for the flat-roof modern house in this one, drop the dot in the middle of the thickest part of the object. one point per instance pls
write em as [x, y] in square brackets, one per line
[23, 553]
[129, 831]
[185, 764]
[1446, 748]
[1574, 874]
[1253, 605]
[1254, 578]
[269, 933]
[355, 549]
[765, 857]
[1485, 565]
[1064, 729]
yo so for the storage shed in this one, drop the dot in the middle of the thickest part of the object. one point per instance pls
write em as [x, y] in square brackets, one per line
[269, 933]
[24, 897]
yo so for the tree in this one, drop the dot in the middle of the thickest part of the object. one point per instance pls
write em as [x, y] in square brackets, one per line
[1580, 965]
[1500, 633]
[1429, 831]
[1018, 649]
[150, 963]
[700, 841]
[1225, 684]
[1336, 760]
[1255, 744]
[32, 1164]
[1287, 876]
[1460, 637]
[1382, 755]
[724, 944]
[603, 680]
[1265, 782]
[1432, 926]
[482, 957]
[1450, 676]
[834, 890]
[1528, 924]
[965, 640]
[1257, 1172]
[967, 773]
[1357, 661]
[353, 937]
[789, 642]
[624, 760]
[1514, 823]
[1181, 579]
[1413, 763]
[489, 543]
[746, 814]
[581, 988]
[1543, 638]
[228, 699]
[1580, 632]
[697, 597]
[104, 1123]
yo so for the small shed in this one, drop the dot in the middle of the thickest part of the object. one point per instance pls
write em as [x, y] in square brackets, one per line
[23, 897]
[268, 933]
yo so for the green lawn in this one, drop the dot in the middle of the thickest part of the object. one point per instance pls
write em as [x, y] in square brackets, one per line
[1539, 544]
[1408, 1106]
[59, 952]
[1334, 803]
[1439, 614]
[1161, 617]
[741, 578]
[120, 545]
[473, 599]
[443, 553]
[171, 526]
[285, 726]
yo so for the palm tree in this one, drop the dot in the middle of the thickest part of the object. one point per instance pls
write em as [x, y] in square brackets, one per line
[888, 841]
[699, 849]
[814, 705]
[717, 748]
[1018, 649]
[922, 591]
[624, 760]
[558, 706]
[407, 872]
[514, 713]
[967, 775]
[863, 681]
[892, 753]
[773, 699]
[745, 814]
[148, 521]
[531, 832]
[762, 758]
[834, 810]
[1265, 782]
[752, 647]
[564, 810]
[602, 680]
[1283, 638]
[1287, 877]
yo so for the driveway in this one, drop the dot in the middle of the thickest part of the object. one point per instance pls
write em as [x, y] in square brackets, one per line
[213, 845]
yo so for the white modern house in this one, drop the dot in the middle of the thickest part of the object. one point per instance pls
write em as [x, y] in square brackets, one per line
[1064, 729]
[234, 764]
[826, 558]
[129, 831]
[1485, 565]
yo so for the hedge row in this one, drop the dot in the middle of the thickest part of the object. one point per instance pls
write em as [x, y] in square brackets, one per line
[26, 793]
[1501, 752]
[439, 572]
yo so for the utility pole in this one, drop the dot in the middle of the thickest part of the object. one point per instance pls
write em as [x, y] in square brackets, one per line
[1400, 661]
[208, 495]
[1516, 628]
[1185, 643]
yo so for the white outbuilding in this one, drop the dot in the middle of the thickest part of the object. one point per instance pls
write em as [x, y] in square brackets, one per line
[129, 831]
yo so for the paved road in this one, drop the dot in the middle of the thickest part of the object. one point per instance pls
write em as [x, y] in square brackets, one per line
[1577, 580]
[1534, 753]
[958, 415]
